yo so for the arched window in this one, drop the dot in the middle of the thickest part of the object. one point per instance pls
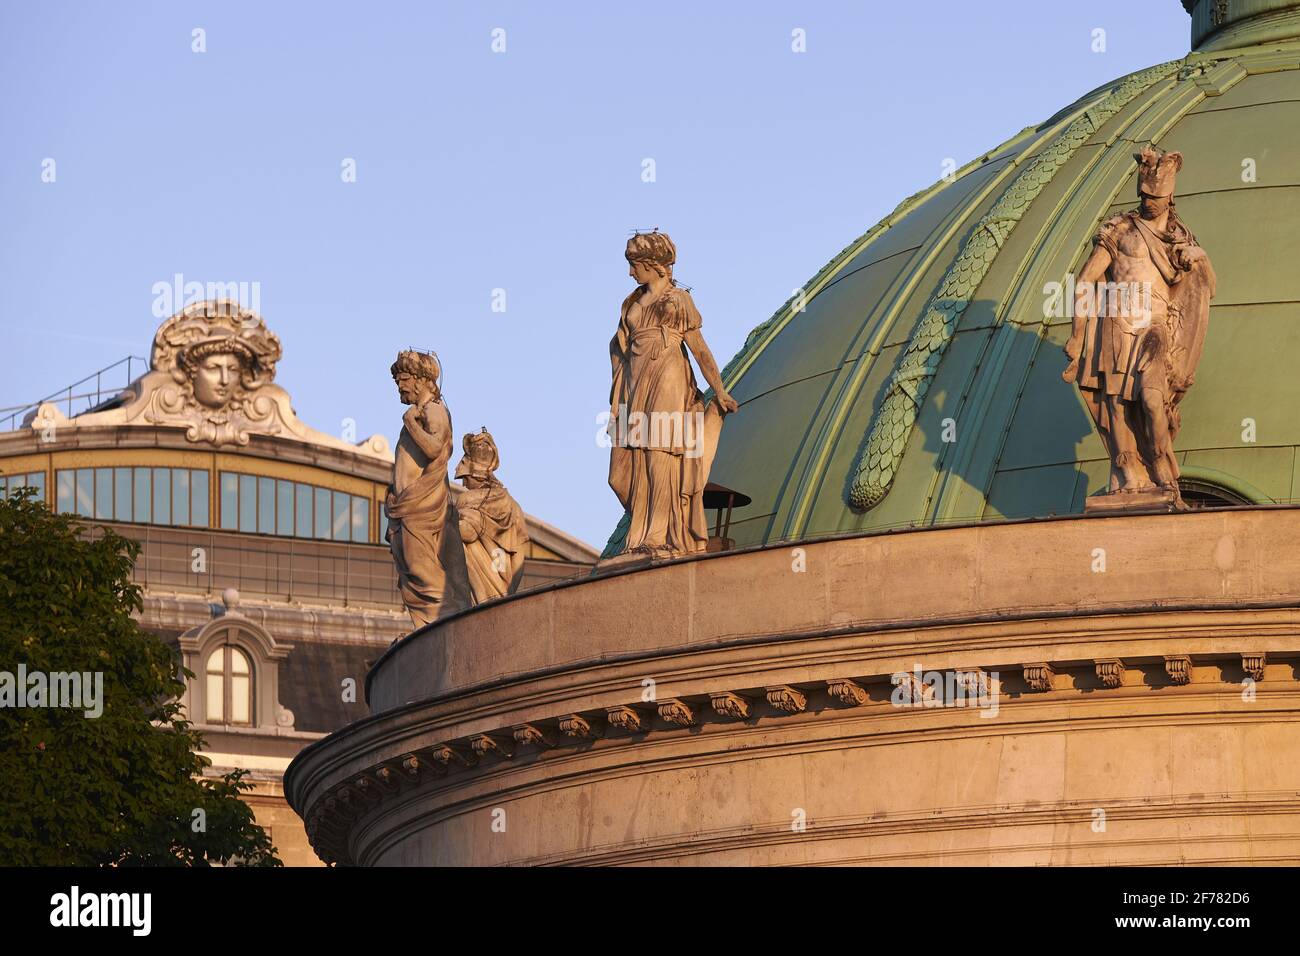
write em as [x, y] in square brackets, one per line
[229, 686]
[1198, 493]
[236, 668]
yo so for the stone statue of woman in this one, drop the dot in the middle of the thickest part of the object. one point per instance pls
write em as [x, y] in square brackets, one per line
[491, 521]
[662, 435]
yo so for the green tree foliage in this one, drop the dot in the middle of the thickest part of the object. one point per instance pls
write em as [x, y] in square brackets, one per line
[123, 788]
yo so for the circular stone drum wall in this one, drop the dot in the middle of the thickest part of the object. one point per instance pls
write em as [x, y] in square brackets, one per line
[802, 705]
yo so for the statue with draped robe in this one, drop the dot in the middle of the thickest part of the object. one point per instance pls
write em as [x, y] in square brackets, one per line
[491, 521]
[1141, 313]
[423, 527]
[662, 434]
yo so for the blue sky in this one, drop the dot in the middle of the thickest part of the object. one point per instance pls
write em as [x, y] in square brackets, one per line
[478, 171]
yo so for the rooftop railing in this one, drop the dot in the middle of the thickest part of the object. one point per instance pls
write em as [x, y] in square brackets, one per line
[78, 397]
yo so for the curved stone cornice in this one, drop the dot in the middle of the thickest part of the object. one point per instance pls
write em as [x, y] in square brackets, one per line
[904, 582]
[341, 798]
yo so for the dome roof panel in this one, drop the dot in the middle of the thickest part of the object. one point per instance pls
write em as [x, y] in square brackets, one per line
[1054, 427]
[826, 510]
[918, 464]
[1262, 88]
[1271, 470]
[841, 309]
[1216, 144]
[768, 428]
[924, 298]
[1252, 375]
[916, 225]
[1034, 492]
[1249, 234]
[816, 340]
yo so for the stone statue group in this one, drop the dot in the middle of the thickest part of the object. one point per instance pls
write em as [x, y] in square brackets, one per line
[449, 553]
[1140, 322]
[452, 551]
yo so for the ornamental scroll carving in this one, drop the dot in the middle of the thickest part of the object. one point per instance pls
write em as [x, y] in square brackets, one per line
[212, 372]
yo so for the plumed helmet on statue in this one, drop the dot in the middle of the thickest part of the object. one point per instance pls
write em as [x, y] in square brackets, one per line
[1156, 172]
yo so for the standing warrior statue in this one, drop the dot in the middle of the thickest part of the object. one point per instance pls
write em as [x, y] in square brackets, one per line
[491, 522]
[423, 530]
[663, 437]
[1133, 365]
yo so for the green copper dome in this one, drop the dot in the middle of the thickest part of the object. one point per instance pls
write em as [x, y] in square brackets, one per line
[921, 382]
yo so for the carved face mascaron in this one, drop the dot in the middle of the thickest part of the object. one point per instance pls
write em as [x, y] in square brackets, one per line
[216, 377]
[212, 370]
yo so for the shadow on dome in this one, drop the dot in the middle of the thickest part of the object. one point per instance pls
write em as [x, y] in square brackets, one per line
[1041, 437]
